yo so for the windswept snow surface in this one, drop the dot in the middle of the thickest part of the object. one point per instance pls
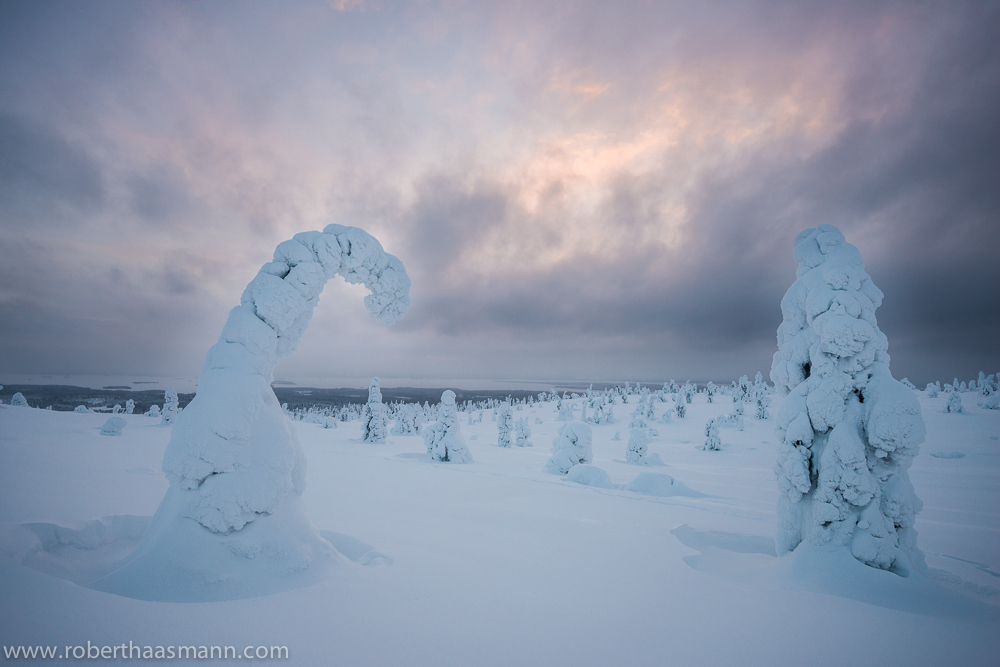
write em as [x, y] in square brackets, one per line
[499, 563]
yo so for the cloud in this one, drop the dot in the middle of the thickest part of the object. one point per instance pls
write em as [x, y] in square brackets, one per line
[575, 188]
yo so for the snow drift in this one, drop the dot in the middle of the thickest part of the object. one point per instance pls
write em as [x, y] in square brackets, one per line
[232, 523]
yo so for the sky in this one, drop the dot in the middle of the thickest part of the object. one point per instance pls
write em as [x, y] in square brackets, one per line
[578, 190]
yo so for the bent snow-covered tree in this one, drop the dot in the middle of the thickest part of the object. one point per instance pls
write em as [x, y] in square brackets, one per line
[233, 523]
[847, 430]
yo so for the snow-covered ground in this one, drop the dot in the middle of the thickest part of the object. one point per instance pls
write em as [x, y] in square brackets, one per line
[499, 563]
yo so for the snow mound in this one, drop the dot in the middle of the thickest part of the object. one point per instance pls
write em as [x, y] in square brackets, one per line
[81, 554]
[232, 524]
[658, 484]
[590, 476]
[113, 426]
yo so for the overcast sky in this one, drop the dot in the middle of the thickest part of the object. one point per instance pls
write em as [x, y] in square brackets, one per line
[579, 191]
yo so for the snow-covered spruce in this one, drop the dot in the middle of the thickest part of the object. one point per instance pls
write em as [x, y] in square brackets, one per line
[637, 446]
[170, 408]
[570, 447]
[406, 421]
[523, 433]
[375, 416]
[954, 404]
[129, 406]
[444, 437]
[505, 425]
[18, 400]
[233, 523]
[712, 441]
[847, 430]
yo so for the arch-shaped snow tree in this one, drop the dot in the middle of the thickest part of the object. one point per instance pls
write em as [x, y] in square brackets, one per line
[232, 523]
[848, 431]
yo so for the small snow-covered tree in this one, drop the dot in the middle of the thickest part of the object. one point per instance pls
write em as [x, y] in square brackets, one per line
[170, 408]
[154, 411]
[679, 408]
[523, 433]
[406, 421]
[444, 437]
[847, 430]
[18, 400]
[375, 416]
[761, 412]
[129, 406]
[637, 446]
[909, 385]
[735, 418]
[931, 390]
[570, 447]
[116, 409]
[954, 404]
[505, 425]
[710, 390]
[712, 441]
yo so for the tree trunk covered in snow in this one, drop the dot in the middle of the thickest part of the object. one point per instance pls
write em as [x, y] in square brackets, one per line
[847, 430]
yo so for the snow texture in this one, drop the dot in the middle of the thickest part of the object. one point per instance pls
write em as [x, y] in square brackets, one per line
[847, 430]
[444, 437]
[571, 447]
[232, 523]
[113, 426]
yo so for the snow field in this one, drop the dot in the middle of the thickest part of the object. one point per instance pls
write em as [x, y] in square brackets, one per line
[499, 562]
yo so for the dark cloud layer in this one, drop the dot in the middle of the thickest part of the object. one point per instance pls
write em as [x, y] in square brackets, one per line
[567, 182]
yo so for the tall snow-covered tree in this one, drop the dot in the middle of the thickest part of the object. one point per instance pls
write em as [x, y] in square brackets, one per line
[234, 459]
[444, 437]
[847, 430]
